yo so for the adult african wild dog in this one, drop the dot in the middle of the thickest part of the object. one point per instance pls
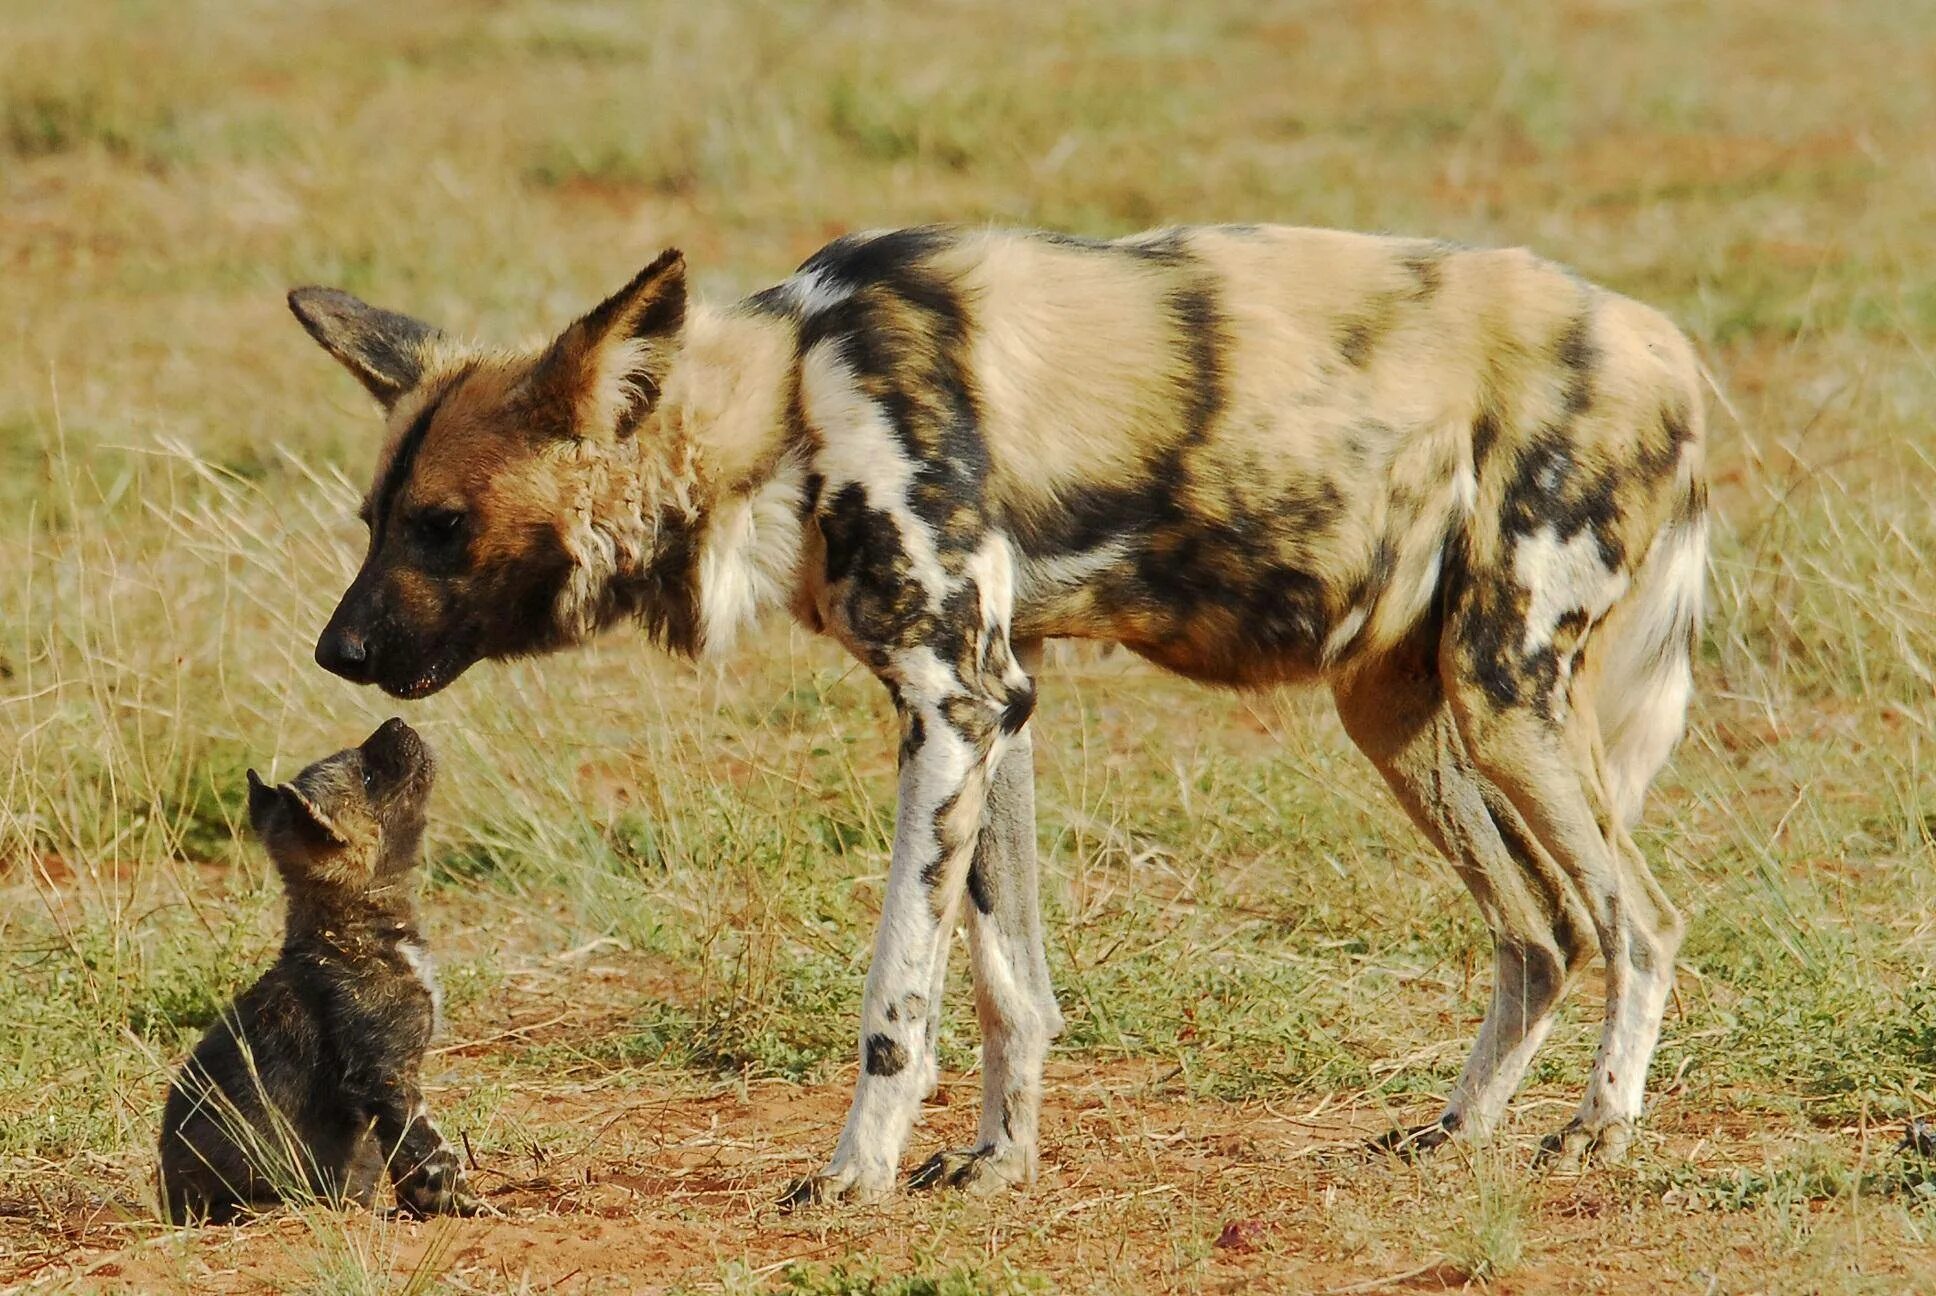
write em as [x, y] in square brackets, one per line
[1462, 487]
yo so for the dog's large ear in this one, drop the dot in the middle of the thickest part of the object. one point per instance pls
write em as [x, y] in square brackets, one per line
[304, 815]
[607, 369]
[386, 351]
[262, 803]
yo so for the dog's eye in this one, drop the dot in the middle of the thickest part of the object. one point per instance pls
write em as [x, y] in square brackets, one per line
[437, 526]
[369, 779]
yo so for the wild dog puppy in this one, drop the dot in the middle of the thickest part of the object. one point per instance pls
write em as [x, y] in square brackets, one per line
[307, 1085]
[1461, 487]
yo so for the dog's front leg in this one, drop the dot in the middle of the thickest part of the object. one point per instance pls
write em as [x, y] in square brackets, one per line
[424, 1168]
[950, 740]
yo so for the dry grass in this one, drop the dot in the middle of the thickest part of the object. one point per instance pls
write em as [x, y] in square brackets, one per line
[652, 886]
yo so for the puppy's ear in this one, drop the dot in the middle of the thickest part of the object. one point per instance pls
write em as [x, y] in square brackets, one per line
[262, 802]
[607, 369]
[386, 351]
[302, 814]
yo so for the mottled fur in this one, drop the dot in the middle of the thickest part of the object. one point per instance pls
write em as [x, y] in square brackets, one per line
[1461, 486]
[307, 1085]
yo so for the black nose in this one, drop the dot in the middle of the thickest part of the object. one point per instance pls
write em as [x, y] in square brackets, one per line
[343, 652]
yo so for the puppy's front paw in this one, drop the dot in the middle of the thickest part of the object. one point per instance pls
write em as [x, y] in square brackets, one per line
[437, 1187]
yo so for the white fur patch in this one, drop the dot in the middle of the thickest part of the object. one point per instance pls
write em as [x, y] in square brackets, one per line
[1039, 577]
[418, 960]
[1343, 633]
[1465, 489]
[816, 291]
[1645, 681]
[1561, 577]
[992, 569]
[614, 389]
[747, 558]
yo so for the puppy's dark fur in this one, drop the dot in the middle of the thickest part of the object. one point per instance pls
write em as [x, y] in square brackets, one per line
[308, 1085]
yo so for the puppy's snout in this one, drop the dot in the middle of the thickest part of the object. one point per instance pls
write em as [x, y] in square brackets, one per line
[396, 750]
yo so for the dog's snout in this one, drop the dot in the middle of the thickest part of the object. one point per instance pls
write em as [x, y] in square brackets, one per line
[345, 653]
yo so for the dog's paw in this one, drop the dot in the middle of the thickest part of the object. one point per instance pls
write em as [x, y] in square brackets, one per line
[437, 1187]
[1409, 1144]
[1574, 1148]
[979, 1172]
[835, 1184]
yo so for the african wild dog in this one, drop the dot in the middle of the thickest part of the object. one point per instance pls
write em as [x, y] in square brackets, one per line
[307, 1085]
[1461, 486]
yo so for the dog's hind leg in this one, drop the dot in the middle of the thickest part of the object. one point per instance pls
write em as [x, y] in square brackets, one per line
[1395, 709]
[1014, 1000]
[1531, 725]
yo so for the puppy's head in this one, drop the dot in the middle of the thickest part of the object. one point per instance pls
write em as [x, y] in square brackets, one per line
[351, 819]
[479, 540]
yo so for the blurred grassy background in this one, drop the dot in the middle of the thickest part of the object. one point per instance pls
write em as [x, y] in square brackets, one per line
[1232, 893]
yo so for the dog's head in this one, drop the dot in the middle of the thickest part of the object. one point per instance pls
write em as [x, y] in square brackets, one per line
[479, 541]
[352, 818]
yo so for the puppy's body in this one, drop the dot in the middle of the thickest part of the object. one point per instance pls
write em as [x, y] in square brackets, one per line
[307, 1085]
[1460, 486]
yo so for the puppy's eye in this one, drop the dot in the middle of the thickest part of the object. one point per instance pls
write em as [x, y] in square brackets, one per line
[369, 779]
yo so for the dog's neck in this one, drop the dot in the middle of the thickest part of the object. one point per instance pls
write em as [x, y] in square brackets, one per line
[338, 913]
[692, 524]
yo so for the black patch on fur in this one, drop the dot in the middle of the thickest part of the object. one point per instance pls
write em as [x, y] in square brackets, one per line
[1357, 335]
[903, 332]
[945, 845]
[778, 302]
[1485, 435]
[914, 732]
[405, 460]
[1020, 707]
[669, 600]
[1584, 500]
[978, 879]
[867, 563]
[885, 1056]
[1577, 356]
[1199, 325]
[856, 260]
[1427, 272]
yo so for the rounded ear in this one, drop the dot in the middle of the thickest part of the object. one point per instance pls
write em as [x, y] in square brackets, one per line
[386, 351]
[608, 368]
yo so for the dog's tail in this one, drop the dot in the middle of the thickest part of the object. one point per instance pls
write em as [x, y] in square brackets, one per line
[1645, 673]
